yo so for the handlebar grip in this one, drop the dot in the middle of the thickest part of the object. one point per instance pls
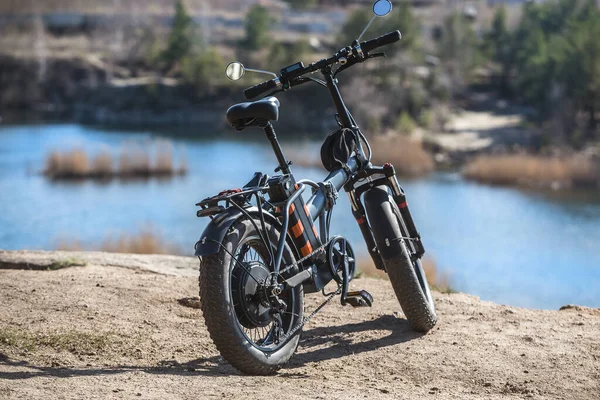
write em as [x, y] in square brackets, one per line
[259, 89]
[388, 38]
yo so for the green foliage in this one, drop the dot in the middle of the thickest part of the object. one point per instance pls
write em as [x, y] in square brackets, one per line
[180, 41]
[459, 44]
[258, 21]
[554, 56]
[203, 70]
[186, 54]
[401, 18]
[405, 125]
[66, 263]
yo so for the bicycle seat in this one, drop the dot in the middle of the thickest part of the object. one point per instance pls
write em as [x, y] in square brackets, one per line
[252, 113]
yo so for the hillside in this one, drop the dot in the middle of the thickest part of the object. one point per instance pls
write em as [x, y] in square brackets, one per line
[118, 327]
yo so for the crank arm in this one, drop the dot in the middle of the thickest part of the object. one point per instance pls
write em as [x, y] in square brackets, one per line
[299, 278]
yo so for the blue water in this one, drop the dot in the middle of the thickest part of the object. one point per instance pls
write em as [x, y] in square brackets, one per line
[506, 245]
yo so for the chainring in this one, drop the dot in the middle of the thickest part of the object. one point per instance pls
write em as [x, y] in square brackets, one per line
[340, 251]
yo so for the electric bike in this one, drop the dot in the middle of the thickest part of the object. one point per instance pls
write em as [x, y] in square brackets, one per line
[268, 243]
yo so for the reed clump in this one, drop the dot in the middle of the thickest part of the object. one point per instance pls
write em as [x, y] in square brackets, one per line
[134, 162]
[146, 241]
[534, 171]
[405, 153]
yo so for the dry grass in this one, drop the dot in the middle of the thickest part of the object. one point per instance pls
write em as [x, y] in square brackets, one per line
[135, 162]
[406, 154]
[72, 341]
[146, 241]
[535, 171]
[437, 281]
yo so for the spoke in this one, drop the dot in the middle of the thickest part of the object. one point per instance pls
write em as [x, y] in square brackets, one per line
[338, 253]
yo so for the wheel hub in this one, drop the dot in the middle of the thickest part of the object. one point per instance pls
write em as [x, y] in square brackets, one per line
[247, 294]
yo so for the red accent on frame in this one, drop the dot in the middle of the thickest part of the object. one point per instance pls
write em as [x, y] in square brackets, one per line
[403, 205]
[361, 220]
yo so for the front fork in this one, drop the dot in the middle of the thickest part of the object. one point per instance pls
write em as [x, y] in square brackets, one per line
[398, 196]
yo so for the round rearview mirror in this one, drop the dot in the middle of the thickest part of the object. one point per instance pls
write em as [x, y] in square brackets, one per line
[382, 7]
[235, 70]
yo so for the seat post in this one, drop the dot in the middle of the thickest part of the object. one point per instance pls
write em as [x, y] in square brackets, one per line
[283, 164]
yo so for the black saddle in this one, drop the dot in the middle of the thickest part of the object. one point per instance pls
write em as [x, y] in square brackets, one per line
[252, 113]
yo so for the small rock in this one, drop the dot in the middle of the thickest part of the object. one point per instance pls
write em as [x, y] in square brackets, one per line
[487, 384]
[191, 369]
[138, 394]
[525, 372]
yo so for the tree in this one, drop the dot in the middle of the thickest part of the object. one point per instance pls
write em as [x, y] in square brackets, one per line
[180, 40]
[258, 21]
[459, 48]
[577, 56]
[283, 54]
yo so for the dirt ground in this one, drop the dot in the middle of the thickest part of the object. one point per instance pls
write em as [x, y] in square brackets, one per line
[104, 331]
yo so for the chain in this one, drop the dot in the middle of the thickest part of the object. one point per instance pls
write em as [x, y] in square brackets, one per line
[312, 314]
[320, 307]
[300, 261]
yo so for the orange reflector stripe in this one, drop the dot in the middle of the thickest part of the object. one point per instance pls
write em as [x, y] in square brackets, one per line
[292, 209]
[315, 231]
[306, 211]
[306, 249]
[297, 229]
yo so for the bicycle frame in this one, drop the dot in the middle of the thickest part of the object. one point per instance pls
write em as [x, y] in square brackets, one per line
[358, 169]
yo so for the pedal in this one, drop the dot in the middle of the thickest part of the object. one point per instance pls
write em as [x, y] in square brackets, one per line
[360, 298]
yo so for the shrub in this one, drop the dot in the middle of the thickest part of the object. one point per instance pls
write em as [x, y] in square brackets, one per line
[405, 125]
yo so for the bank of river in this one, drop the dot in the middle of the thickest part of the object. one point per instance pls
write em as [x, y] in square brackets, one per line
[514, 247]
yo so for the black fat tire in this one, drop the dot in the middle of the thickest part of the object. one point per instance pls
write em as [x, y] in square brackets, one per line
[408, 279]
[219, 314]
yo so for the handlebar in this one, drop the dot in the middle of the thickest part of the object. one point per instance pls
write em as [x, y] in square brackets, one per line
[261, 88]
[355, 54]
[388, 38]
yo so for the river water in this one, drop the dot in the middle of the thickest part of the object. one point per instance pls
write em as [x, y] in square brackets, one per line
[510, 246]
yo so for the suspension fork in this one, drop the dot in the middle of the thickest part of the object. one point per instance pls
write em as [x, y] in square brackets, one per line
[398, 196]
[358, 211]
[400, 200]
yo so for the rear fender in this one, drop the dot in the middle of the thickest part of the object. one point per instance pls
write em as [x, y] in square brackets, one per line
[214, 233]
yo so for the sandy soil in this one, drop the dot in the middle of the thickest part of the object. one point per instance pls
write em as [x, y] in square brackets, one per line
[105, 331]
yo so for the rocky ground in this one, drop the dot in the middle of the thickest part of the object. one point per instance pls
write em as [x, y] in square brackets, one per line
[126, 326]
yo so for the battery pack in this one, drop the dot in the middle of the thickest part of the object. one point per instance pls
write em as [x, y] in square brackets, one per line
[301, 228]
